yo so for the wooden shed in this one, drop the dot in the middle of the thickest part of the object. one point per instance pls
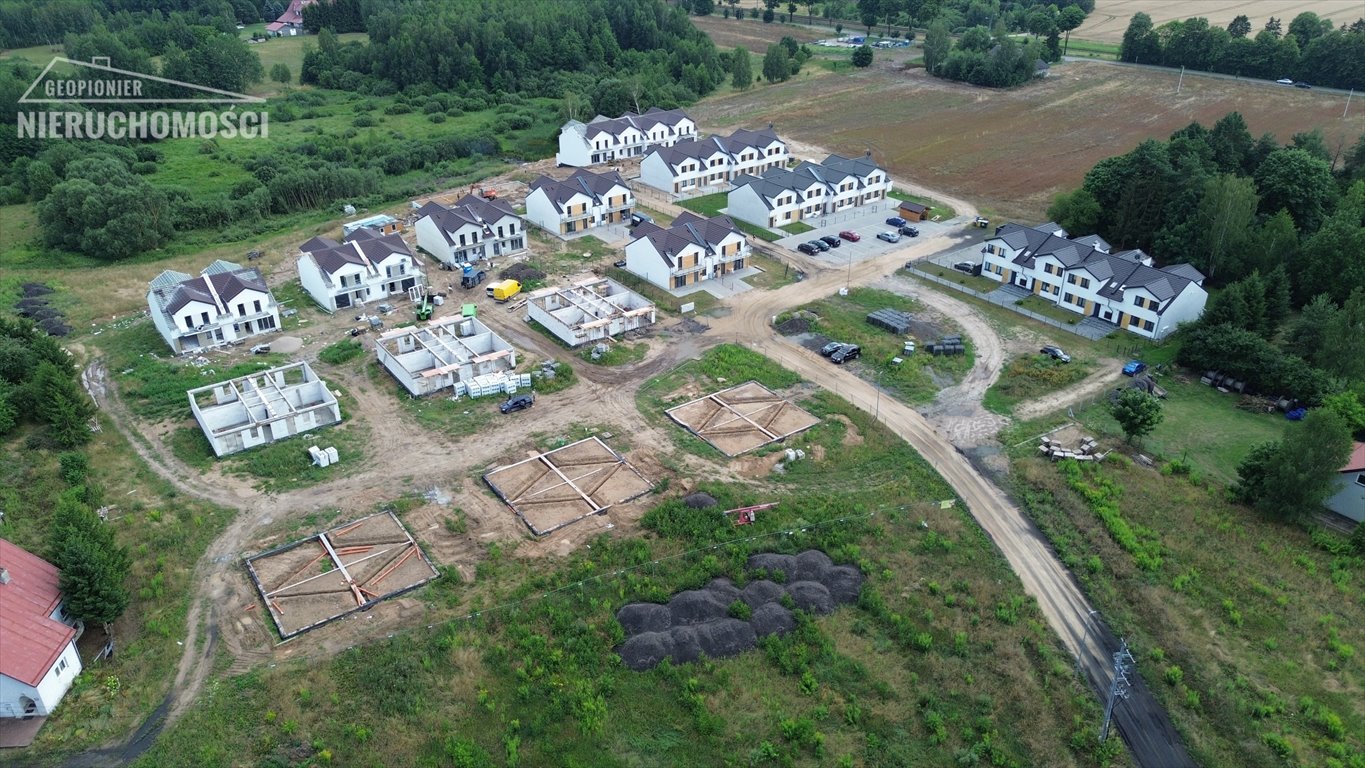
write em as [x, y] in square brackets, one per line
[913, 211]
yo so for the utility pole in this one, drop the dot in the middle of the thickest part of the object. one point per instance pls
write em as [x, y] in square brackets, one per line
[1181, 82]
[1118, 689]
[1348, 102]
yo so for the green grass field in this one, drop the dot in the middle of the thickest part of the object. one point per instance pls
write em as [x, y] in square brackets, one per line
[1247, 629]
[1093, 49]
[1202, 426]
[918, 378]
[936, 208]
[1031, 376]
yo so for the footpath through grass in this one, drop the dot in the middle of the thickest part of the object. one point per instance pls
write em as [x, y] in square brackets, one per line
[943, 661]
[1248, 630]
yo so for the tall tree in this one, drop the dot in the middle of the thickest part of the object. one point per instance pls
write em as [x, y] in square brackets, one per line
[1070, 18]
[1137, 412]
[1274, 26]
[1344, 350]
[1077, 211]
[1240, 26]
[63, 405]
[1140, 42]
[1225, 216]
[777, 66]
[1307, 335]
[1293, 179]
[862, 56]
[1307, 27]
[937, 44]
[741, 69]
[1290, 479]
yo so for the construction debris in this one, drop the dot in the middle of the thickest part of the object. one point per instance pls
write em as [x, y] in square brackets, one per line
[1086, 451]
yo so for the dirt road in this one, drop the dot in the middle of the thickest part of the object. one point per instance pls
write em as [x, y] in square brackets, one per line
[1143, 722]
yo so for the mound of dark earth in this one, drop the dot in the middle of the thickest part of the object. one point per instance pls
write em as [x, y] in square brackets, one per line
[697, 622]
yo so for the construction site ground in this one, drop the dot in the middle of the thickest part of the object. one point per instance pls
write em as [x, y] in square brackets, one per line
[405, 458]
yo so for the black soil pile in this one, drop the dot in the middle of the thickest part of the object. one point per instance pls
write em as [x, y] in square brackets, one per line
[698, 623]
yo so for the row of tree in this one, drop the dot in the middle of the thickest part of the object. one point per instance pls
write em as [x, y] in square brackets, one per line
[49, 22]
[1311, 50]
[980, 58]
[1231, 204]
[39, 385]
[536, 47]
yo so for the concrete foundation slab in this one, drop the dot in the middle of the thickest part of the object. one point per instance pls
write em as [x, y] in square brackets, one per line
[551, 490]
[739, 419]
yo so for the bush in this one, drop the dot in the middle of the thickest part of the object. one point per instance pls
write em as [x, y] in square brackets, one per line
[741, 610]
[341, 352]
[75, 467]
[365, 121]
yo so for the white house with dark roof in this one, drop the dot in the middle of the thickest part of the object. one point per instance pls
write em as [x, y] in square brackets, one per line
[38, 658]
[364, 267]
[605, 139]
[582, 201]
[1083, 276]
[689, 167]
[472, 229]
[689, 251]
[225, 304]
[811, 190]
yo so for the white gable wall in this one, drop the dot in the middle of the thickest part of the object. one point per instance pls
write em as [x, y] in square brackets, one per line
[49, 690]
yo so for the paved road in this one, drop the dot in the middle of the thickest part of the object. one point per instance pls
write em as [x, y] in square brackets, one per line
[1141, 720]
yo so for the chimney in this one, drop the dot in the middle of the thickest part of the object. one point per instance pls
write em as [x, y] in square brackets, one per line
[4, 576]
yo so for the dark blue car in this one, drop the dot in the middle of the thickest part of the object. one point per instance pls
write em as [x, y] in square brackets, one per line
[1134, 367]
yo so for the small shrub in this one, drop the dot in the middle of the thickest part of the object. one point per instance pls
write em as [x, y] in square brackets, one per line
[75, 467]
[1277, 744]
[341, 352]
[1174, 675]
[365, 121]
[741, 610]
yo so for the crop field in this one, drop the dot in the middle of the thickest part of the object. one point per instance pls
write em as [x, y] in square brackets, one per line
[1110, 17]
[1012, 151]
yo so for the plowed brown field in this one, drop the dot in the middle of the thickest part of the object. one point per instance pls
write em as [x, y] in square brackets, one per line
[1012, 151]
[1111, 17]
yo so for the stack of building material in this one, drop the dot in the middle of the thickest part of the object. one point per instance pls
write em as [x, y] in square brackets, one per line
[891, 320]
[1086, 451]
[948, 345]
[323, 457]
[493, 384]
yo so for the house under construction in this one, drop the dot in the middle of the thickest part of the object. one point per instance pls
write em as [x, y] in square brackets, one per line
[429, 358]
[589, 310]
[263, 407]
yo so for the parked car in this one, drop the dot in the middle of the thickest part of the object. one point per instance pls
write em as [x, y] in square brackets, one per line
[1134, 367]
[1302, 84]
[830, 348]
[890, 237]
[807, 249]
[819, 245]
[831, 241]
[896, 221]
[619, 264]
[518, 402]
[1056, 353]
[1285, 81]
[969, 267]
[260, 349]
[850, 236]
[845, 353]
[909, 231]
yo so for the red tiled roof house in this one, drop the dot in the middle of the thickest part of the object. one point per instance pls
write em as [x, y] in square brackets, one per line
[38, 659]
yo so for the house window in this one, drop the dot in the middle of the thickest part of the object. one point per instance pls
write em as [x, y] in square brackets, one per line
[205, 315]
[257, 304]
[61, 665]
[680, 281]
[189, 321]
[241, 310]
[1360, 479]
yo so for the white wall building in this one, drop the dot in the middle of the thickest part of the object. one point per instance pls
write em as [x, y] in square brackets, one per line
[226, 303]
[429, 358]
[263, 407]
[470, 230]
[691, 250]
[590, 310]
[582, 201]
[1082, 276]
[809, 191]
[606, 140]
[365, 267]
[380, 224]
[689, 167]
[1348, 498]
[38, 658]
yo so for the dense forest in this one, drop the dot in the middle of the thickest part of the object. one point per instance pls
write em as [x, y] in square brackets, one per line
[617, 53]
[424, 59]
[1273, 226]
[1309, 50]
